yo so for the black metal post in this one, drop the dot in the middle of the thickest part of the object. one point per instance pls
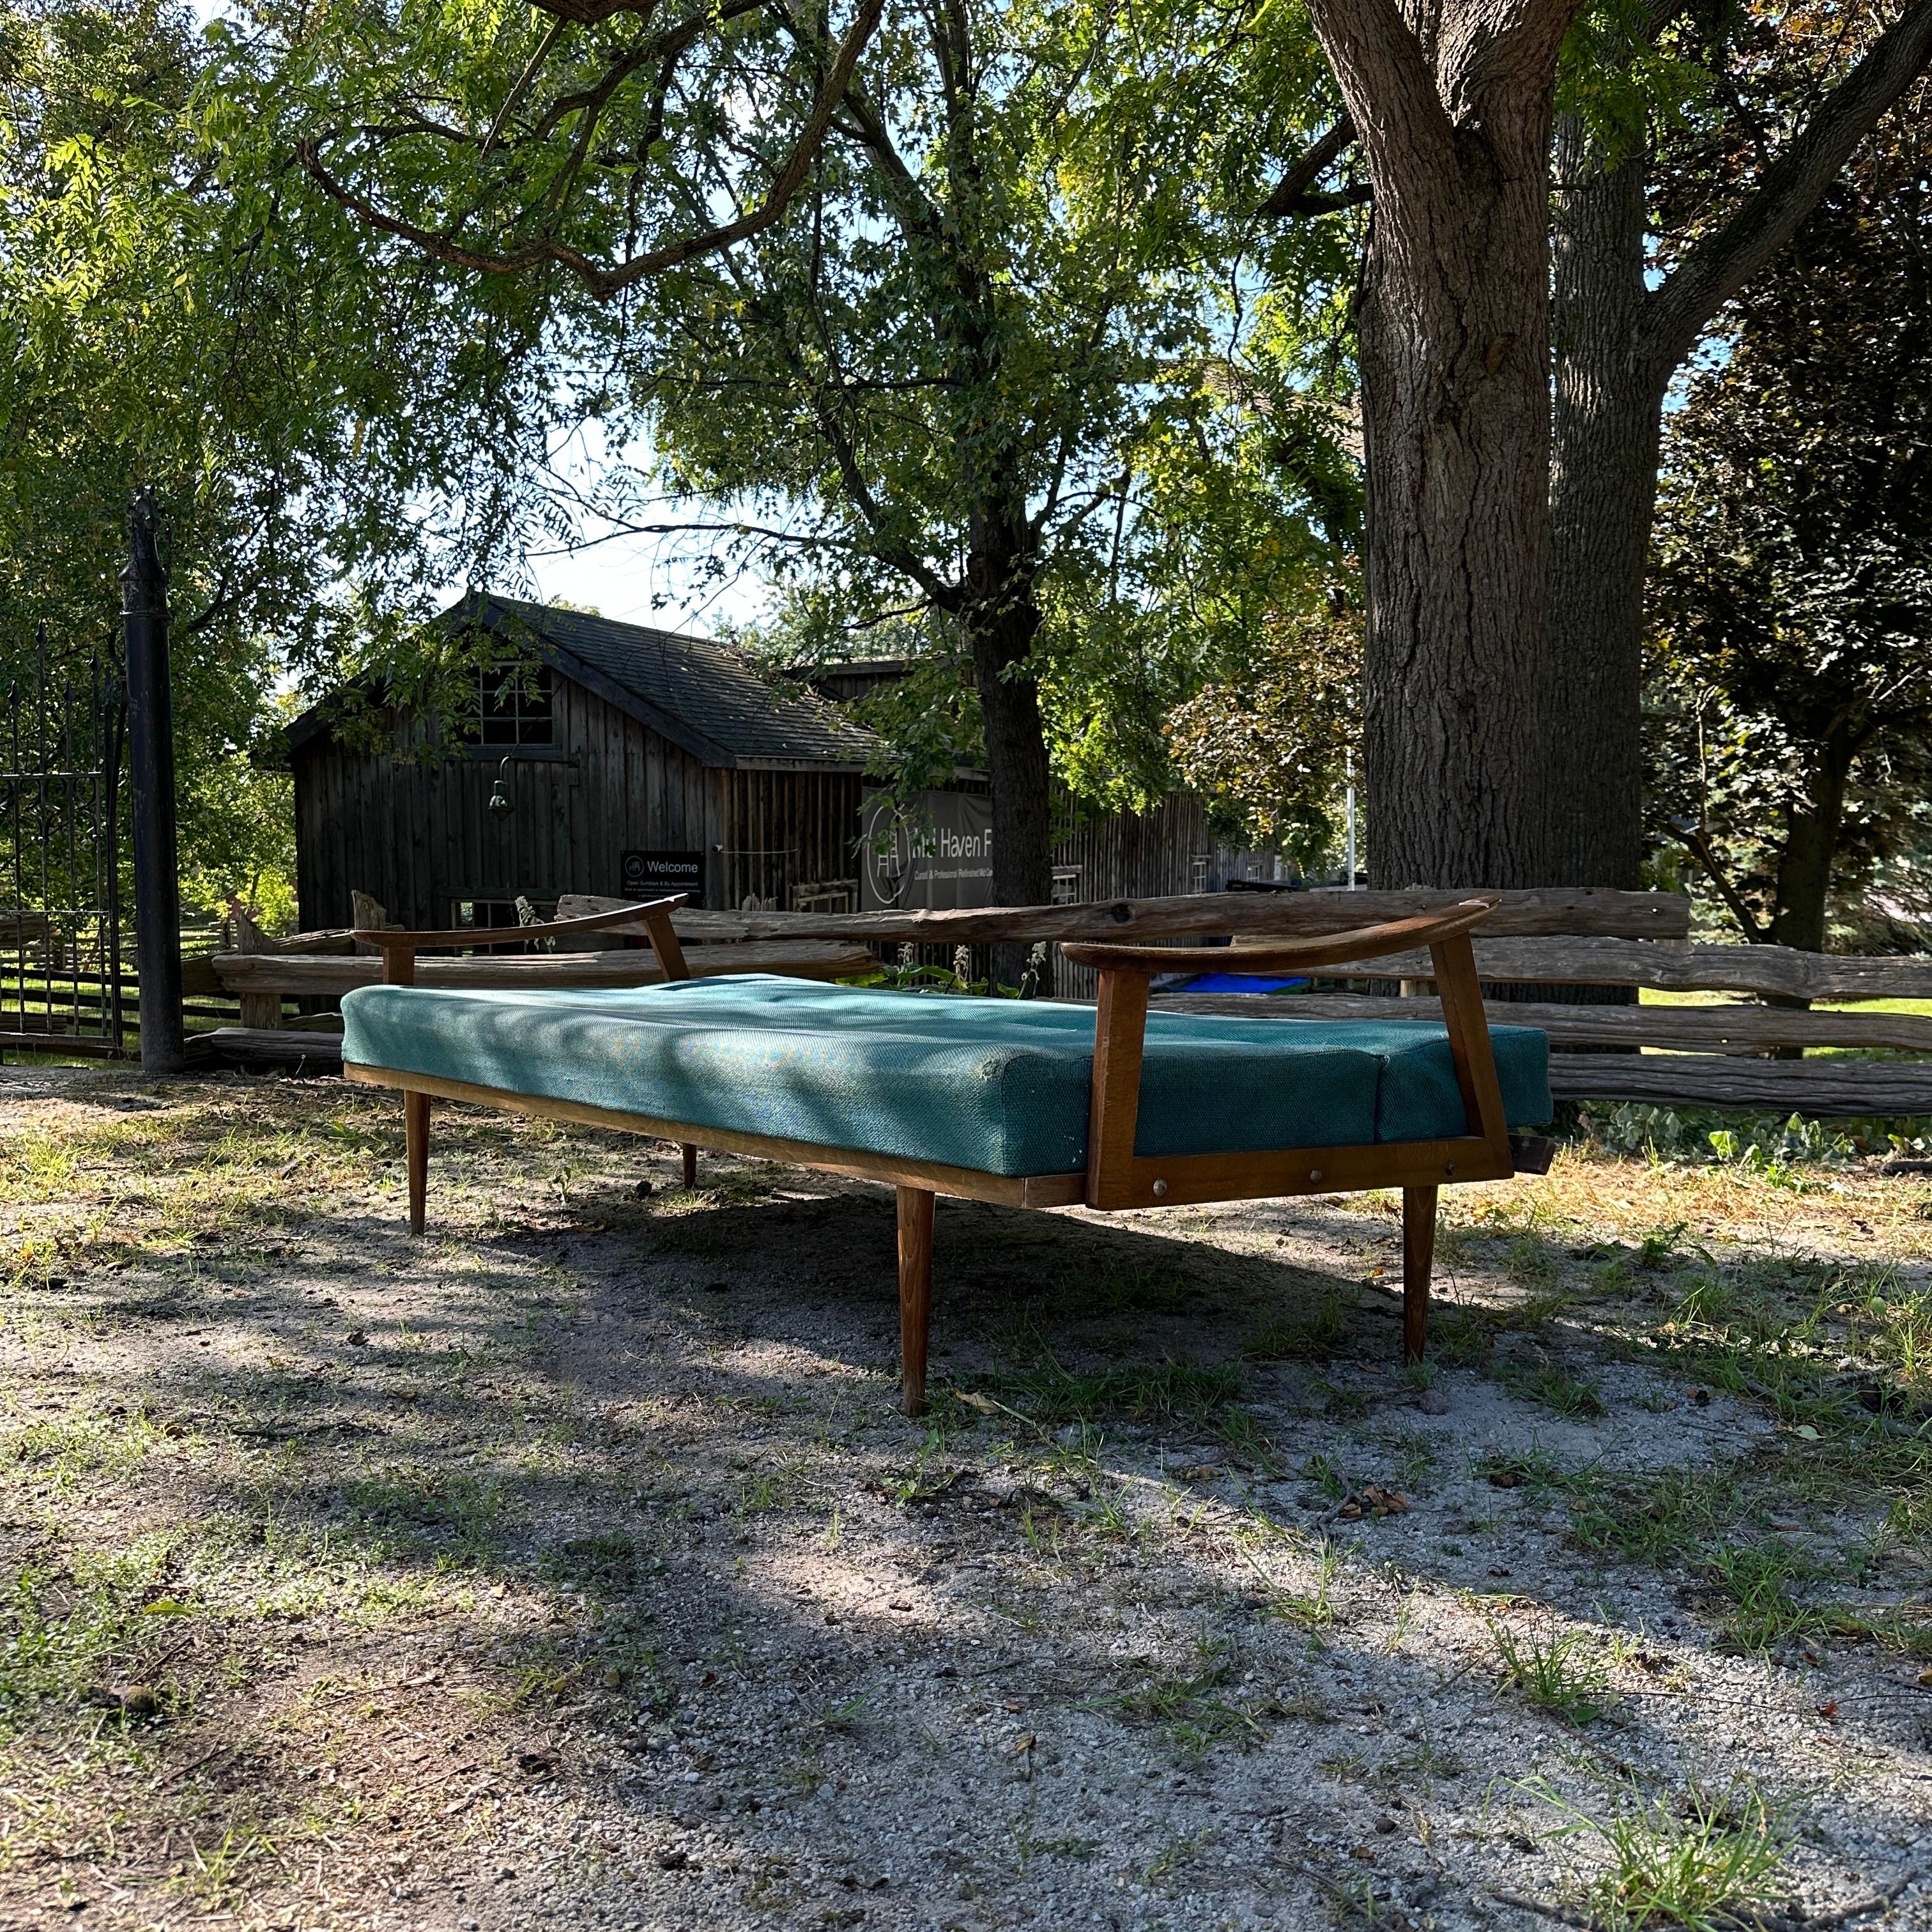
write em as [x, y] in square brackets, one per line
[151, 752]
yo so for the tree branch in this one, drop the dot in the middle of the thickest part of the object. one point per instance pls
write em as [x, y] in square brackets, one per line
[1388, 87]
[605, 283]
[521, 85]
[1676, 312]
[590, 13]
[1296, 193]
[1694, 838]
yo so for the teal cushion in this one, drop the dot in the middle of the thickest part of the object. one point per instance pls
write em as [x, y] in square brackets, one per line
[1001, 1086]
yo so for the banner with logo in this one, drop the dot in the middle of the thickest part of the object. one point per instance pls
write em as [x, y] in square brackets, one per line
[934, 852]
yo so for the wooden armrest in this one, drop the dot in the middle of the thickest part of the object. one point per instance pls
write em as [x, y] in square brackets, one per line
[395, 938]
[399, 948]
[1120, 1024]
[1287, 955]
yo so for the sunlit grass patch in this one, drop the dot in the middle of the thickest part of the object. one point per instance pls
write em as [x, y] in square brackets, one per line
[1194, 1707]
[1758, 1578]
[1312, 1608]
[94, 1442]
[1564, 1673]
[1656, 1519]
[79, 1628]
[1705, 1863]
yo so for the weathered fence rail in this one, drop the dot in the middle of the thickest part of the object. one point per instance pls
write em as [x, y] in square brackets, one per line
[1630, 915]
[1687, 969]
[1677, 1054]
[1727, 1029]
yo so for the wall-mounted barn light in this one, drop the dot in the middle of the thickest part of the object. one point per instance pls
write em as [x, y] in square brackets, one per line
[501, 803]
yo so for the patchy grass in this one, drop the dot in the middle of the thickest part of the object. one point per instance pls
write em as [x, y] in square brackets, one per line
[1555, 1387]
[342, 1575]
[1201, 1394]
[1706, 1863]
[1563, 1672]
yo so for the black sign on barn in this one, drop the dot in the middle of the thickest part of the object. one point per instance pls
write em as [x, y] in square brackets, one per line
[935, 851]
[656, 875]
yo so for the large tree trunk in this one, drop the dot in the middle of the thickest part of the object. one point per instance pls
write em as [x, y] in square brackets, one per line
[1455, 391]
[1618, 343]
[1608, 425]
[1002, 621]
[1451, 101]
[1813, 828]
[1454, 112]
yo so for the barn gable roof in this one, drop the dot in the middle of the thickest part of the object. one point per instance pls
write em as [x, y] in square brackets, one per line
[702, 696]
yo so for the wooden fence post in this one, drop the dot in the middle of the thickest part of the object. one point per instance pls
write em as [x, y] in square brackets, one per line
[151, 749]
[262, 1011]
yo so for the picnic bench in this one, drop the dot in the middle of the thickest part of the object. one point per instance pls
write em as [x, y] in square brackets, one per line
[1032, 1104]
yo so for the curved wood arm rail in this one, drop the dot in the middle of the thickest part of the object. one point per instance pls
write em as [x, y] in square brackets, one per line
[1286, 955]
[399, 948]
[1118, 1177]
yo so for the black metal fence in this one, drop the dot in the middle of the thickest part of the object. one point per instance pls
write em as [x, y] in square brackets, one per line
[62, 735]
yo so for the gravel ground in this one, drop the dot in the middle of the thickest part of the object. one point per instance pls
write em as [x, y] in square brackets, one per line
[572, 1566]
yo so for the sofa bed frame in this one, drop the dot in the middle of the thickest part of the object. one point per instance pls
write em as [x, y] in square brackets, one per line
[1115, 1177]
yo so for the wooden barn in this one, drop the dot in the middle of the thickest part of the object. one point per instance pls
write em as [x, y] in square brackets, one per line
[597, 757]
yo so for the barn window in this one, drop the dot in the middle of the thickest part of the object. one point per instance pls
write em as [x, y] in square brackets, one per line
[513, 705]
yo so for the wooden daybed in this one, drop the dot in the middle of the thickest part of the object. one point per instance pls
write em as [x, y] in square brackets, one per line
[1033, 1104]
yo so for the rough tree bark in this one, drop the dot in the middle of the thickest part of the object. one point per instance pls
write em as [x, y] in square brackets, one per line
[1001, 621]
[1476, 665]
[1453, 105]
[1607, 429]
[1812, 831]
[1617, 346]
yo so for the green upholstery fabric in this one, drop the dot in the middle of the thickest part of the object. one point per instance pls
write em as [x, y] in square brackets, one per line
[1001, 1086]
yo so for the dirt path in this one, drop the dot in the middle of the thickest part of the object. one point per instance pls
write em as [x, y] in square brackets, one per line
[573, 1566]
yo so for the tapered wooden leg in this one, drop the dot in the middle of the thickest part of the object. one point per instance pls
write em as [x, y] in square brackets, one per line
[690, 1166]
[415, 1141]
[915, 1294]
[1418, 1257]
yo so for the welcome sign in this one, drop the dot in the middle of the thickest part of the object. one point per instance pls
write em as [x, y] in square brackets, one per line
[656, 875]
[932, 852]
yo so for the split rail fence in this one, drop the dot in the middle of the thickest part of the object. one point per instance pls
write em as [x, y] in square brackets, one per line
[1673, 1055]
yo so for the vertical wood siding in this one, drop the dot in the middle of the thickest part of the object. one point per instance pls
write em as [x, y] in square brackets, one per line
[419, 836]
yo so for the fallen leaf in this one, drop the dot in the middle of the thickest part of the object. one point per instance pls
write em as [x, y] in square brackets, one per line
[1829, 1708]
[1385, 1502]
[1805, 1432]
